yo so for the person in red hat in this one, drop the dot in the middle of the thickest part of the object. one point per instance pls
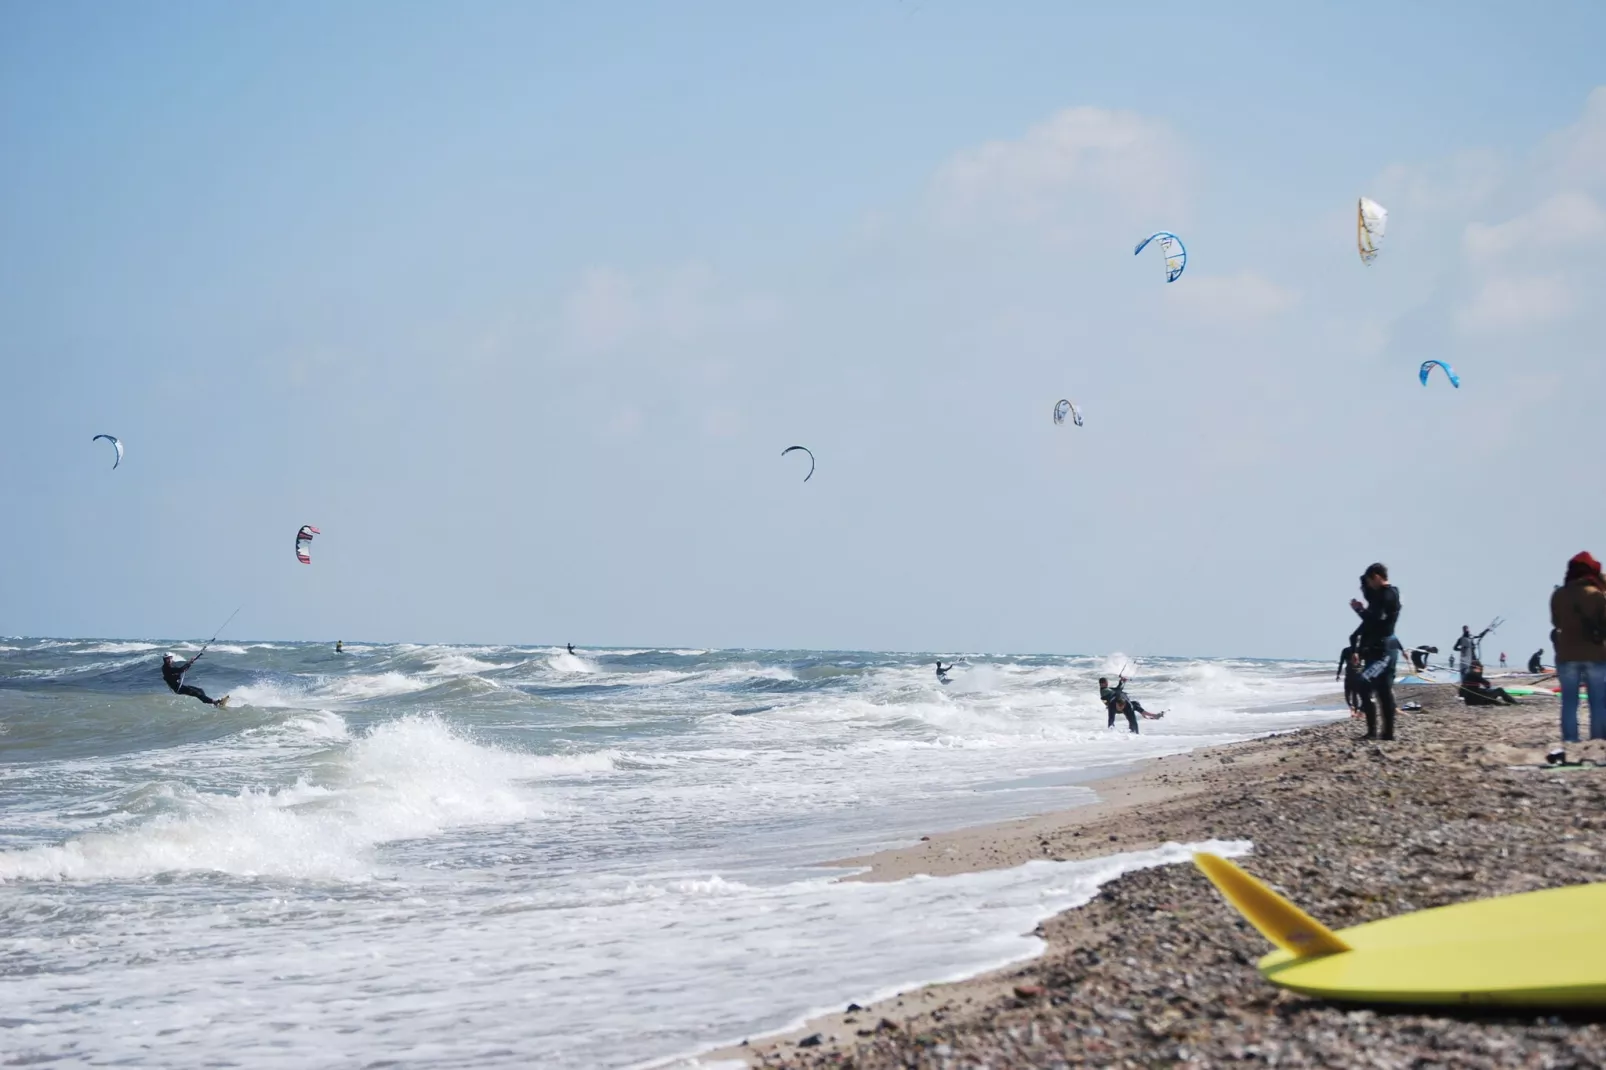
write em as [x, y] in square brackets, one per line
[1578, 616]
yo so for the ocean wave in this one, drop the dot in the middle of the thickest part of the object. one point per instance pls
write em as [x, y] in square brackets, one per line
[404, 779]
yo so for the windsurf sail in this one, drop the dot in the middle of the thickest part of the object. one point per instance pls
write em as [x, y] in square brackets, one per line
[1371, 220]
[1176, 254]
[116, 445]
[304, 543]
[806, 450]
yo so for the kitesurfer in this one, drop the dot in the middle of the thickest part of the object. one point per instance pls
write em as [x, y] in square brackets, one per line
[1419, 656]
[1476, 691]
[173, 675]
[1117, 701]
[340, 646]
[571, 649]
[1379, 649]
[942, 673]
[1578, 614]
[1349, 664]
[1536, 664]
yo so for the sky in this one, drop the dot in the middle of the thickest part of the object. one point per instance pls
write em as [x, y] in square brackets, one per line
[519, 303]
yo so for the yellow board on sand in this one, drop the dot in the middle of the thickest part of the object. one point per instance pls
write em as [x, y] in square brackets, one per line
[1537, 949]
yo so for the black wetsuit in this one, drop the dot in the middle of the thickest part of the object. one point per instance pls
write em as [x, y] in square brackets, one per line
[1351, 675]
[1116, 697]
[1475, 691]
[173, 675]
[1380, 651]
[571, 648]
[942, 673]
[1536, 663]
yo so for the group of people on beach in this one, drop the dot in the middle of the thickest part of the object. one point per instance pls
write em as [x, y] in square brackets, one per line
[1578, 632]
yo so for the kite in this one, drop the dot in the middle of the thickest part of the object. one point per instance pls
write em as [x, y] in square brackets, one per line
[806, 450]
[303, 540]
[1065, 408]
[1427, 366]
[1176, 255]
[116, 445]
[1371, 219]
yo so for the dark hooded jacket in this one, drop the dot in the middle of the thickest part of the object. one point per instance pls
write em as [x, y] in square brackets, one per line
[1578, 612]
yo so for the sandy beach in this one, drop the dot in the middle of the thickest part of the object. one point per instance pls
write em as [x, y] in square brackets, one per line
[1158, 971]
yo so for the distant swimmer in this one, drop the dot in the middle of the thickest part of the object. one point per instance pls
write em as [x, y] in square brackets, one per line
[173, 674]
[571, 648]
[942, 673]
[340, 646]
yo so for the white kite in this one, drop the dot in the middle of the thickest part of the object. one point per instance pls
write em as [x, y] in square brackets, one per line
[1371, 220]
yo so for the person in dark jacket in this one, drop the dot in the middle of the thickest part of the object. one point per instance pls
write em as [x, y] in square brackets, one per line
[1380, 651]
[1536, 664]
[173, 675]
[1477, 691]
[1578, 614]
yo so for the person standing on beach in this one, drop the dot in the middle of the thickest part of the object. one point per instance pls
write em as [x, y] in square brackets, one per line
[1353, 685]
[1379, 649]
[1502, 659]
[1578, 614]
[1464, 646]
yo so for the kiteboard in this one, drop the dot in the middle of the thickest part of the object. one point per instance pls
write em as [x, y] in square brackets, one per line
[1535, 949]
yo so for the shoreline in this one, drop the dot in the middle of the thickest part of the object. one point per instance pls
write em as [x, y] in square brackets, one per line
[1318, 804]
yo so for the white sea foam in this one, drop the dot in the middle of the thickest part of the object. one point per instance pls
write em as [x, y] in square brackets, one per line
[404, 779]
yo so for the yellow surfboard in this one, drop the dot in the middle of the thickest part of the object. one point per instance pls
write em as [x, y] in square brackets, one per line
[1536, 949]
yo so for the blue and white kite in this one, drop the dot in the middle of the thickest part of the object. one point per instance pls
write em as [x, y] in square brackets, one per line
[116, 445]
[1427, 366]
[1176, 254]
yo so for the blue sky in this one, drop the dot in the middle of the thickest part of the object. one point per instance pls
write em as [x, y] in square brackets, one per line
[519, 304]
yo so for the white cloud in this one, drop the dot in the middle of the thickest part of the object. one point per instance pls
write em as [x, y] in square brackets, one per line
[1578, 152]
[1505, 302]
[1566, 219]
[1085, 153]
[608, 310]
[1240, 300]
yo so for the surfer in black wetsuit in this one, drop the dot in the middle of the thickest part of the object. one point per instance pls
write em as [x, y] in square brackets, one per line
[1349, 664]
[1419, 656]
[942, 673]
[1536, 664]
[1117, 701]
[571, 647]
[339, 646]
[173, 675]
[1476, 691]
[1379, 649]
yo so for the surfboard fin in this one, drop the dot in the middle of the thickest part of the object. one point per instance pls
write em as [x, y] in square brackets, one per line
[1278, 920]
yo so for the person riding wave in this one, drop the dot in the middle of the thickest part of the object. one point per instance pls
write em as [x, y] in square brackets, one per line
[173, 675]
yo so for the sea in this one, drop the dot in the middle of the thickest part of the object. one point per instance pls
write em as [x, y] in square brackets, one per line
[480, 856]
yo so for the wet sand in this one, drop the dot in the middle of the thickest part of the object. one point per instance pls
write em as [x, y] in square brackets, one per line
[1158, 971]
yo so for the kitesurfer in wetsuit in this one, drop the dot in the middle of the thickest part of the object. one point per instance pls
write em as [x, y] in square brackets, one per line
[942, 673]
[1349, 664]
[1379, 649]
[339, 646]
[1536, 664]
[1419, 656]
[571, 647]
[173, 675]
[1116, 701]
[1475, 690]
